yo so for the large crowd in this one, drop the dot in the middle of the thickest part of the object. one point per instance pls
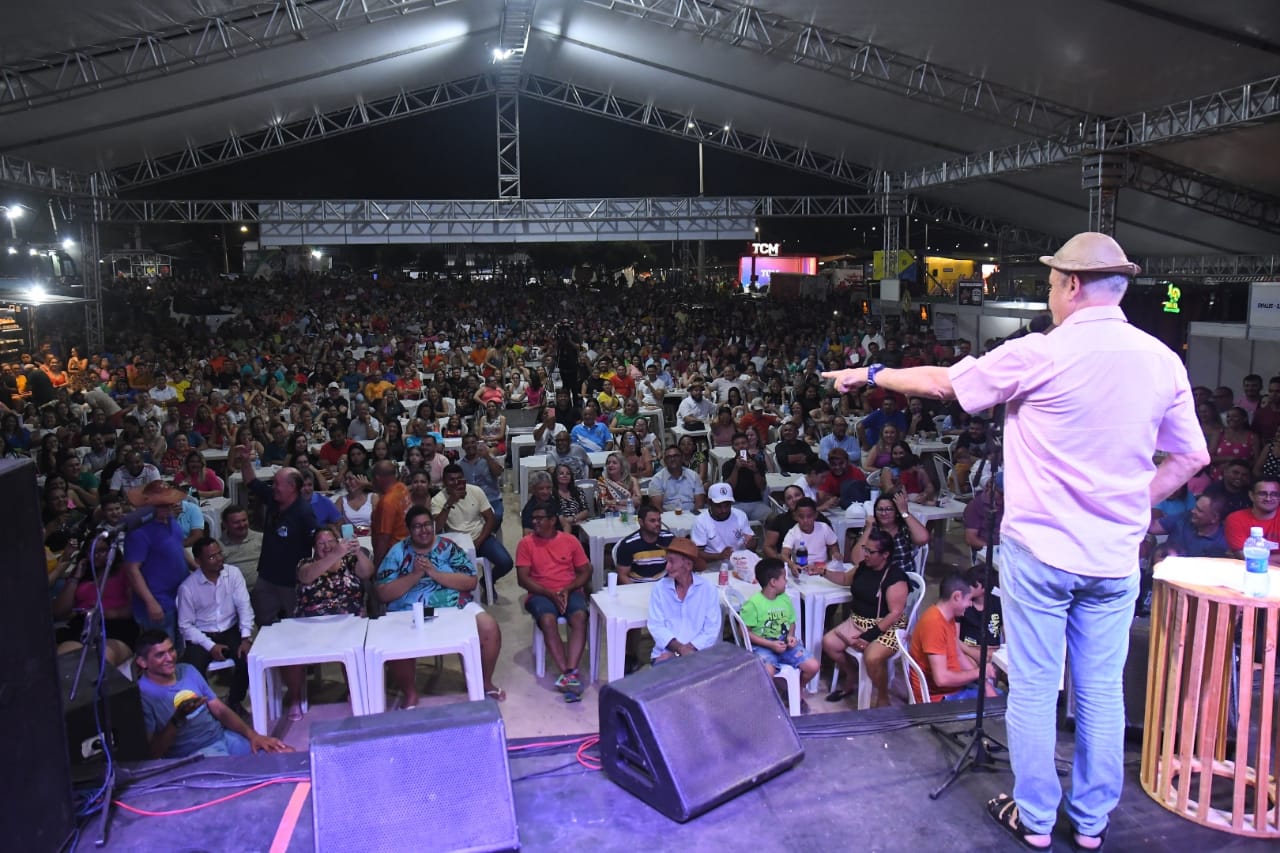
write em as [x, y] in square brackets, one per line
[350, 390]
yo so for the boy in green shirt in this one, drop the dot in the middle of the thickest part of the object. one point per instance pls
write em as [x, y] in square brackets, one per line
[771, 623]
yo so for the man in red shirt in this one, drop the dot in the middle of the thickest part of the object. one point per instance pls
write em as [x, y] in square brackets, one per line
[1266, 500]
[335, 449]
[935, 646]
[552, 566]
[832, 490]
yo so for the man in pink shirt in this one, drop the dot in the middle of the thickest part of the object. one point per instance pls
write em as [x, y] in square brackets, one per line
[1077, 503]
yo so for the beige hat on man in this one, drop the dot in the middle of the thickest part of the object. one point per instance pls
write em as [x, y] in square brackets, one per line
[1091, 251]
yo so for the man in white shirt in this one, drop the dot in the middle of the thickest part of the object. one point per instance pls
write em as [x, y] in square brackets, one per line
[163, 393]
[216, 618]
[729, 378]
[695, 411]
[651, 389]
[133, 473]
[684, 608]
[722, 529]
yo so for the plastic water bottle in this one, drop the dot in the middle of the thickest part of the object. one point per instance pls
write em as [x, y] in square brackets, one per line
[724, 573]
[627, 511]
[1257, 580]
[802, 555]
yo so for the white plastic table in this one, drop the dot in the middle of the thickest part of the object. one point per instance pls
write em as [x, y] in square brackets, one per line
[211, 509]
[393, 637]
[818, 594]
[293, 642]
[719, 456]
[929, 514]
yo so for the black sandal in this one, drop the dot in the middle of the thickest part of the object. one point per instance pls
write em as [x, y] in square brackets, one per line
[1004, 811]
[840, 695]
[1077, 834]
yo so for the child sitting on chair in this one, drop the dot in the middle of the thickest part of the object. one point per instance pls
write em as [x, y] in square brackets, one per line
[771, 623]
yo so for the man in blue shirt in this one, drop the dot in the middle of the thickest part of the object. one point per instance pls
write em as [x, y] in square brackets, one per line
[591, 435]
[869, 427]
[182, 714]
[155, 561]
[839, 437]
[1196, 533]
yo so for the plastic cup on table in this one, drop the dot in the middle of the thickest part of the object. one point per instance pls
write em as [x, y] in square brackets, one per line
[613, 584]
[418, 619]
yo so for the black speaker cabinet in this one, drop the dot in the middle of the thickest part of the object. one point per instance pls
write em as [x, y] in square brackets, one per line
[123, 708]
[428, 778]
[35, 790]
[665, 736]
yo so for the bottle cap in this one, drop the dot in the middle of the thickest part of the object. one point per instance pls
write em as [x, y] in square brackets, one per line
[1255, 531]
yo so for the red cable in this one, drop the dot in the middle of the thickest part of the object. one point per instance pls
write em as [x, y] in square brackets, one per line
[196, 808]
[548, 743]
[589, 761]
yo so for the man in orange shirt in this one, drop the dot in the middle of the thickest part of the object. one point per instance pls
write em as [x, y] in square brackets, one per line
[935, 646]
[387, 523]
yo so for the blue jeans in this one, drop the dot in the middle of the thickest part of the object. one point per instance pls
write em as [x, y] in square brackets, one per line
[1048, 611]
[168, 624]
[493, 551]
[230, 744]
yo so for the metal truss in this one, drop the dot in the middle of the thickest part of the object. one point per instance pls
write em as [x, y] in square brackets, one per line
[852, 59]
[199, 42]
[508, 56]
[1240, 106]
[24, 174]
[689, 126]
[1218, 267]
[274, 137]
[1009, 238]
[1206, 193]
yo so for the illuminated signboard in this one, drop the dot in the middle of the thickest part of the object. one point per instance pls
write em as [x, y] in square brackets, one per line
[766, 250]
[1172, 296]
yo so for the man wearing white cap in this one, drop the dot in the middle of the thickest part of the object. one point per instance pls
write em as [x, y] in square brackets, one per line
[722, 529]
[1075, 512]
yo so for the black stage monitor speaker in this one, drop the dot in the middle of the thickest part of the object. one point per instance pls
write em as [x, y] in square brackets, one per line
[438, 775]
[667, 734]
[35, 789]
[123, 708]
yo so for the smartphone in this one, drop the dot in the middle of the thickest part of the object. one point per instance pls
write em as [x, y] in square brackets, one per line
[742, 454]
[428, 612]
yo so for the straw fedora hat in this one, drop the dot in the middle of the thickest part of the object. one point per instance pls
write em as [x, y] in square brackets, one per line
[1091, 251]
[156, 493]
[683, 546]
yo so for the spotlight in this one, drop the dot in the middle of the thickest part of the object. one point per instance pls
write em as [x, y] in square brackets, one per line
[13, 251]
[68, 244]
[244, 229]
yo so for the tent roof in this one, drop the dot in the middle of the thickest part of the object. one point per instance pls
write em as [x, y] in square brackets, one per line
[1095, 57]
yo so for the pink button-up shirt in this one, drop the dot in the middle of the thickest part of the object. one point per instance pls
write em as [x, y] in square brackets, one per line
[1088, 406]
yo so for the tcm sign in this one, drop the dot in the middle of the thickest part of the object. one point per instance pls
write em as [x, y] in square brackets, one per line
[769, 250]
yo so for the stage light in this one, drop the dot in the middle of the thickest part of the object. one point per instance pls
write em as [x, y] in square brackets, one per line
[690, 126]
[36, 293]
[13, 251]
[317, 254]
[68, 244]
[500, 55]
[13, 211]
[32, 252]
[244, 229]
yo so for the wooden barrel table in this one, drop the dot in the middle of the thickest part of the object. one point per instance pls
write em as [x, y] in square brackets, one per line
[1197, 761]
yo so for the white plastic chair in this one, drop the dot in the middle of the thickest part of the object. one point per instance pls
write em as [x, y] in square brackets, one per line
[914, 599]
[464, 542]
[909, 666]
[788, 674]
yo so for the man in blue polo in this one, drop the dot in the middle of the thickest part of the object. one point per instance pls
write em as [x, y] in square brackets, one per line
[1197, 532]
[591, 435]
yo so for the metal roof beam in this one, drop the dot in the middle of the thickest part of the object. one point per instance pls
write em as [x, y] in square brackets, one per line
[686, 125]
[206, 40]
[1221, 267]
[1207, 193]
[277, 136]
[508, 57]
[853, 59]
[1229, 109]
[23, 174]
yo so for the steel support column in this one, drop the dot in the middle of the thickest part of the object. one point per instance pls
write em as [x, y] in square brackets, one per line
[508, 145]
[508, 56]
[88, 212]
[1103, 175]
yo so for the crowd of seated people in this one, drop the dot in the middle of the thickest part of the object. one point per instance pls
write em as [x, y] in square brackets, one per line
[397, 395]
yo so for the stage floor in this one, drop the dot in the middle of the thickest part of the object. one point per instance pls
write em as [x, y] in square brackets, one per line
[863, 784]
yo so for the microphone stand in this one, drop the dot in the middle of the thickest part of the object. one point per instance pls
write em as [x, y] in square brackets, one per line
[979, 754]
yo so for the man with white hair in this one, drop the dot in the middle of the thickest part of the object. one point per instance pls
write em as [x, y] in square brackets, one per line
[1069, 544]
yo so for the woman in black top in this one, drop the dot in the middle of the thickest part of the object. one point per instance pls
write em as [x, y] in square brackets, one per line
[880, 591]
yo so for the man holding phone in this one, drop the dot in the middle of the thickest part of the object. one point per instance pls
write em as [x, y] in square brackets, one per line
[745, 475]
